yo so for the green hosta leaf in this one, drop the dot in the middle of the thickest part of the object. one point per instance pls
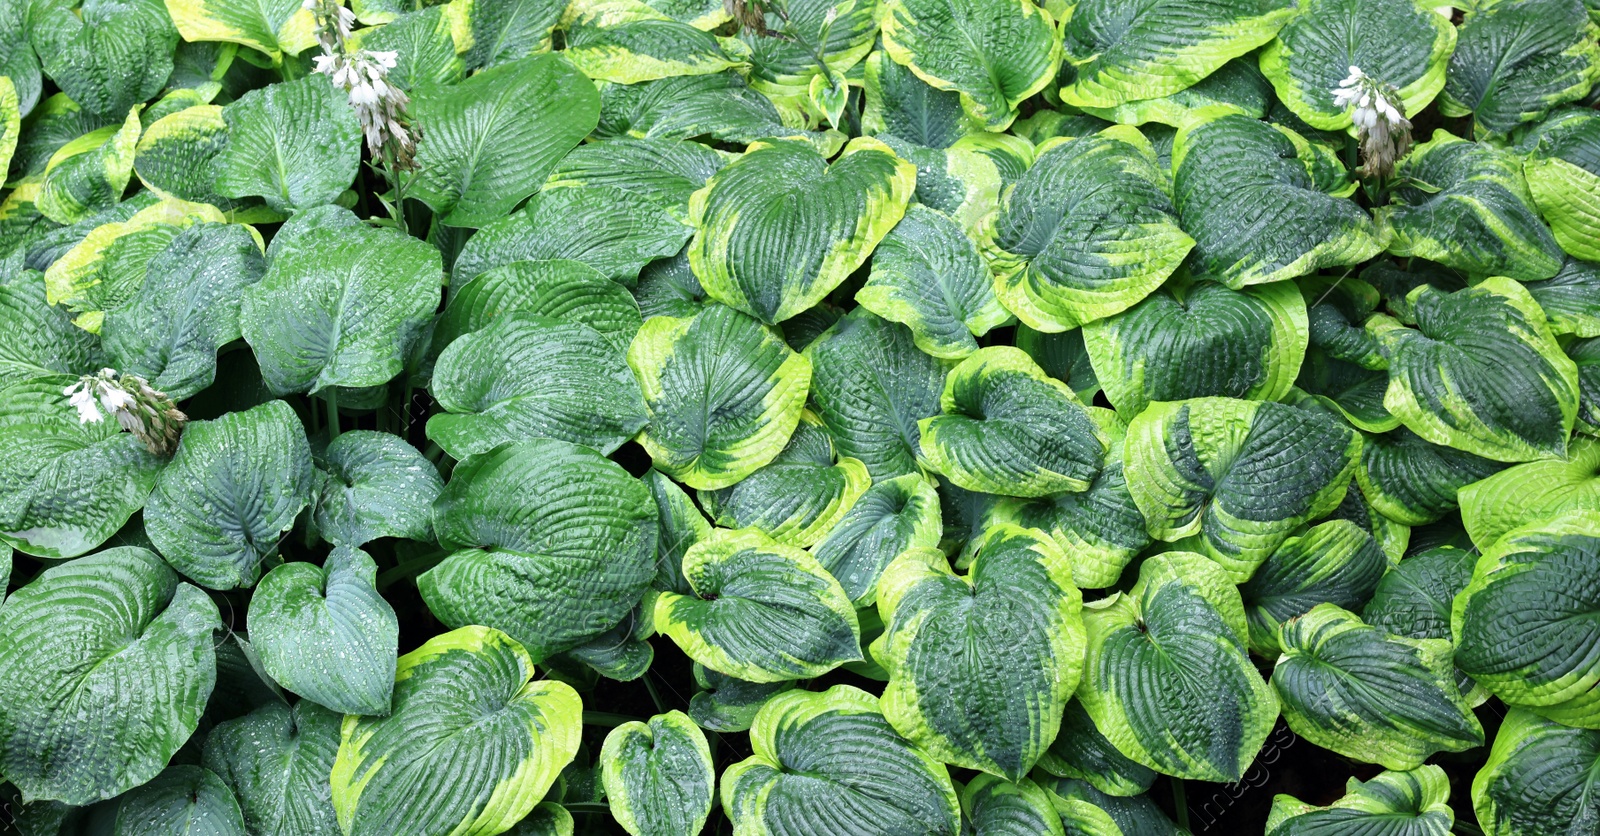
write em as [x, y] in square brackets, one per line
[65, 486]
[1515, 60]
[779, 228]
[10, 121]
[1392, 536]
[230, 493]
[893, 516]
[1345, 389]
[1540, 779]
[1254, 208]
[275, 27]
[183, 800]
[799, 497]
[1404, 44]
[1369, 694]
[1334, 562]
[375, 485]
[1205, 339]
[1414, 600]
[720, 106]
[828, 763]
[1088, 811]
[963, 181]
[1237, 87]
[681, 525]
[1118, 53]
[1525, 628]
[1008, 428]
[729, 704]
[276, 761]
[488, 142]
[620, 233]
[547, 819]
[1063, 356]
[981, 666]
[340, 308]
[308, 115]
[622, 652]
[40, 338]
[188, 307]
[108, 55]
[1586, 354]
[89, 173]
[629, 41]
[501, 31]
[760, 610]
[1390, 804]
[526, 376]
[557, 288]
[871, 386]
[90, 718]
[837, 34]
[1168, 680]
[1567, 298]
[471, 747]
[551, 542]
[666, 171]
[425, 47]
[326, 634]
[1080, 751]
[723, 395]
[658, 776]
[1086, 232]
[1481, 372]
[1563, 173]
[995, 53]
[1474, 213]
[1241, 474]
[1414, 482]
[927, 274]
[900, 104]
[996, 807]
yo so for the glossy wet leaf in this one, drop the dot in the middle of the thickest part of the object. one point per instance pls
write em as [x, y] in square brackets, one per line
[42, 339]
[374, 485]
[893, 516]
[1539, 778]
[1081, 752]
[995, 53]
[1333, 562]
[276, 760]
[927, 275]
[108, 55]
[797, 498]
[1401, 803]
[658, 776]
[184, 800]
[308, 115]
[1514, 61]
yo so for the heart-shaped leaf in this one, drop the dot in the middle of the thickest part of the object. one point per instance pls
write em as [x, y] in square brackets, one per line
[375, 485]
[276, 761]
[901, 105]
[892, 517]
[108, 55]
[557, 288]
[1540, 774]
[1514, 61]
[1390, 804]
[184, 800]
[308, 115]
[630, 41]
[1333, 562]
[1563, 172]
[999, 807]
[275, 27]
[89, 174]
[502, 31]
[41, 339]
[658, 776]
[666, 171]
[799, 497]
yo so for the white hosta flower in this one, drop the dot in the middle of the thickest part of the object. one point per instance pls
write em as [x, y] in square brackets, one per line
[363, 75]
[1380, 120]
[147, 413]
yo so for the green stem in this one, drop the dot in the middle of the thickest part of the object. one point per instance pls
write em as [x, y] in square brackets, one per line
[333, 413]
[608, 719]
[434, 452]
[1180, 803]
[655, 696]
[586, 806]
[410, 569]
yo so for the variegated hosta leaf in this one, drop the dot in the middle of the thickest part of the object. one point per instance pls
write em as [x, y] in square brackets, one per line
[1241, 474]
[620, 233]
[1586, 354]
[927, 275]
[996, 807]
[502, 31]
[1168, 679]
[963, 181]
[275, 27]
[1086, 810]
[90, 718]
[231, 491]
[995, 53]
[1415, 597]
[1063, 356]
[425, 46]
[1405, 44]
[1119, 53]
[720, 106]
[722, 391]
[1392, 536]
[830, 763]
[1563, 173]
[488, 142]
[779, 228]
[1409, 803]
[680, 525]
[981, 666]
[551, 543]
[1567, 298]
[326, 634]
[341, 307]
[184, 800]
[1088, 231]
[557, 288]
[308, 115]
[658, 776]
[666, 171]
[629, 41]
[901, 105]
[759, 610]
[89, 174]
[525, 376]
[65, 486]
[188, 307]
[108, 55]
[1466, 205]
[1254, 208]
[1008, 428]
[871, 387]
[1334, 562]
[622, 652]
[1481, 372]
[1540, 780]
[1369, 694]
[1525, 628]
[375, 485]
[729, 704]
[799, 497]
[1080, 751]
[471, 747]
[1515, 60]
[1203, 339]
[276, 761]
[10, 118]
[1348, 390]
[837, 34]
[1236, 87]
[1413, 481]
[893, 516]
[40, 338]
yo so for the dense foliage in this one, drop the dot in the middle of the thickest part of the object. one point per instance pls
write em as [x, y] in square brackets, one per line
[798, 417]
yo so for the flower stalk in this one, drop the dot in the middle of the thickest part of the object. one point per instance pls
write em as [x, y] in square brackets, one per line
[1382, 128]
[140, 409]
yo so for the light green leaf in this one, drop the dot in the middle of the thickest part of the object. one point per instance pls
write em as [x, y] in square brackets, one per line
[425, 43]
[230, 493]
[1410, 803]
[723, 395]
[557, 288]
[892, 517]
[797, 498]
[981, 666]
[468, 725]
[1586, 354]
[1334, 562]
[666, 171]
[658, 776]
[997, 807]
[963, 181]
[1515, 60]
[1567, 298]
[827, 762]
[41, 339]
[89, 719]
[1168, 680]
[308, 115]
[1080, 751]
[184, 800]
[629, 41]
[276, 761]
[720, 106]
[760, 610]
[488, 142]
[1563, 173]
[108, 55]
[10, 120]
[551, 542]
[275, 27]
[502, 31]
[1540, 779]
[1236, 87]
[995, 53]
[375, 485]
[729, 704]
[89, 173]
[1414, 482]
[901, 105]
